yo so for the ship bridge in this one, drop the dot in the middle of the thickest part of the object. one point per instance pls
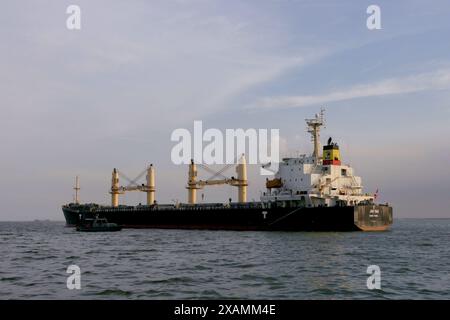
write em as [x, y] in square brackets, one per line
[316, 180]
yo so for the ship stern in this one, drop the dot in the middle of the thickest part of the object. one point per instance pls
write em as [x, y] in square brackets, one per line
[373, 217]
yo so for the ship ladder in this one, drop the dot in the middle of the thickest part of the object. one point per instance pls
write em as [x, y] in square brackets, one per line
[285, 216]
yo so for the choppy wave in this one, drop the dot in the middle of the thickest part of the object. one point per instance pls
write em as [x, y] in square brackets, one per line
[189, 264]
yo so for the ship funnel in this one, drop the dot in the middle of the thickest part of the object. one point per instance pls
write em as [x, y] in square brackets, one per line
[331, 154]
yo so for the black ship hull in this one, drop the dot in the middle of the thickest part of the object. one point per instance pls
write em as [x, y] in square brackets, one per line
[368, 217]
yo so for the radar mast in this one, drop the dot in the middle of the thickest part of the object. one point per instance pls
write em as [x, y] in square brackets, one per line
[314, 129]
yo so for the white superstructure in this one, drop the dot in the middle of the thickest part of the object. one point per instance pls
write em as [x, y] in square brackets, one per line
[316, 180]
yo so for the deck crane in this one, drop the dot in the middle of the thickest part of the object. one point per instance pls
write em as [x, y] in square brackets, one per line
[240, 182]
[133, 185]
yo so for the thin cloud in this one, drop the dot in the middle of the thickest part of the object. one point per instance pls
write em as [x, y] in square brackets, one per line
[436, 80]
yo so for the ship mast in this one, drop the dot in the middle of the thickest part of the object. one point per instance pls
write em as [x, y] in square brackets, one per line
[77, 189]
[314, 129]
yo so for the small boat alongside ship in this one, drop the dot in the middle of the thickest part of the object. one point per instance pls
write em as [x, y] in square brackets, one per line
[97, 225]
[314, 192]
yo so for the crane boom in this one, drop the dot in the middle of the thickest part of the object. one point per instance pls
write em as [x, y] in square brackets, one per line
[241, 182]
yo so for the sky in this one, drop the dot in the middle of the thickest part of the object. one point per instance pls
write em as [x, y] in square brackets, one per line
[81, 102]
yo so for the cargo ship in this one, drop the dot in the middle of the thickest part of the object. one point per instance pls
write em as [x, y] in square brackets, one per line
[315, 192]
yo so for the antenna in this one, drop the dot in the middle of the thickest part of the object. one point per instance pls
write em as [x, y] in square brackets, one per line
[314, 129]
[77, 188]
